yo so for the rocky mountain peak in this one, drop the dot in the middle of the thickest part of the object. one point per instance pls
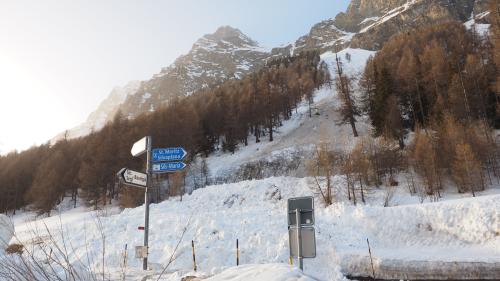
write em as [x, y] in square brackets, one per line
[230, 34]
[223, 37]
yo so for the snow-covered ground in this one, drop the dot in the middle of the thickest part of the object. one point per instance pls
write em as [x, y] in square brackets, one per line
[266, 272]
[459, 230]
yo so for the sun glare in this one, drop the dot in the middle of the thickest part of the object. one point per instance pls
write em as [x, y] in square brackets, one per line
[25, 100]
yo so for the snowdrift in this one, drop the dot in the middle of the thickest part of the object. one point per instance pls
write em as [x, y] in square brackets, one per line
[254, 212]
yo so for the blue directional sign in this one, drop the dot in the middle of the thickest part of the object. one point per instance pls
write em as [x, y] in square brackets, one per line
[168, 154]
[168, 167]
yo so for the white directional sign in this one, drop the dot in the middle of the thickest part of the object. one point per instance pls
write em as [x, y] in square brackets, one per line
[134, 178]
[139, 147]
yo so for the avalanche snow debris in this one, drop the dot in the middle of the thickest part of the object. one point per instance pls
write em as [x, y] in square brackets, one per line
[464, 230]
[295, 137]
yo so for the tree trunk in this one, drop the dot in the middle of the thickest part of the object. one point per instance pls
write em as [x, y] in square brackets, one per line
[271, 130]
[362, 193]
[353, 126]
[310, 111]
[353, 193]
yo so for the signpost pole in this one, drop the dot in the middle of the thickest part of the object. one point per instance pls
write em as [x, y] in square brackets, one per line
[146, 202]
[299, 240]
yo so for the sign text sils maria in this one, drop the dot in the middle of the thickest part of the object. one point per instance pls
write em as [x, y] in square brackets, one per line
[168, 167]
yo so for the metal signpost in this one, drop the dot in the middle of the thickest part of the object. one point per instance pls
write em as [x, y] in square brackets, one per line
[143, 180]
[301, 233]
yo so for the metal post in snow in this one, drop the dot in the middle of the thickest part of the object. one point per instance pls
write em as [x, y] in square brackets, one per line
[299, 240]
[371, 260]
[146, 202]
[194, 256]
[237, 253]
[125, 257]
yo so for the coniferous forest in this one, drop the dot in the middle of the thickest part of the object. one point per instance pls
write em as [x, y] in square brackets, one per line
[234, 112]
[435, 88]
[431, 92]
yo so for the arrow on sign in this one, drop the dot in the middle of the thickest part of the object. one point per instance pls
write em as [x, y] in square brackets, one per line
[168, 154]
[134, 178]
[168, 167]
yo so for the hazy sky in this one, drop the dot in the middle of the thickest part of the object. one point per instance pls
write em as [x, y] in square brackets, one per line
[60, 59]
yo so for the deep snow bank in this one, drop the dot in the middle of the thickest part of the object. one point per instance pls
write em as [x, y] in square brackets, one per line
[254, 212]
[6, 231]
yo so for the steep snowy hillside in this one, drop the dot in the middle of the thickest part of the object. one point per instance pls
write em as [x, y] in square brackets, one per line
[297, 137]
[448, 234]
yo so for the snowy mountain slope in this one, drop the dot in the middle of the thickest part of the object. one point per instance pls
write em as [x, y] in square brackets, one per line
[454, 231]
[367, 24]
[323, 36]
[228, 53]
[410, 14]
[103, 114]
[298, 135]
